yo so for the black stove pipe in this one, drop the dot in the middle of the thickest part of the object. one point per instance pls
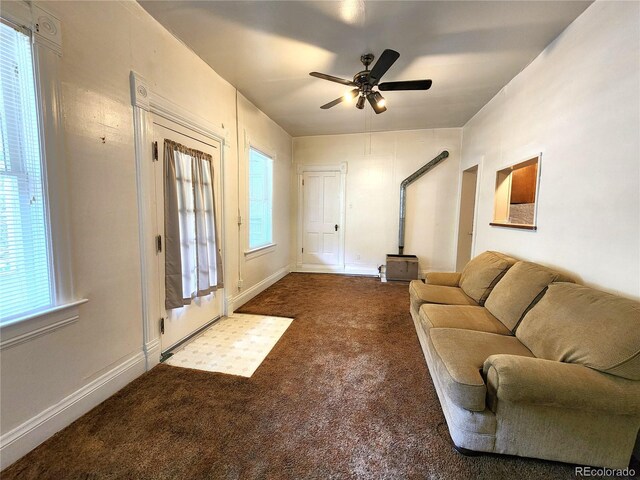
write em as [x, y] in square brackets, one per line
[403, 193]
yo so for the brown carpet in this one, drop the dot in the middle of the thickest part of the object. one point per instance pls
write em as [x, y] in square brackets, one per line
[344, 394]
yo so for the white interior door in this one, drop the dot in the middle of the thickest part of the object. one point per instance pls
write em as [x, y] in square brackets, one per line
[321, 218]
[179, 323]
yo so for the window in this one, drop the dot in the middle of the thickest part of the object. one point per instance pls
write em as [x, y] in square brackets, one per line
[260, 199]
[515, 196]
[25, 254]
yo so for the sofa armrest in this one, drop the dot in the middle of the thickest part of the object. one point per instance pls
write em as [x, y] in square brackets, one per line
[537, 381]
[446, 279]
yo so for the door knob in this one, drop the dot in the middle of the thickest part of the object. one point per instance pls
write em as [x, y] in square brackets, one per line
[336, 227]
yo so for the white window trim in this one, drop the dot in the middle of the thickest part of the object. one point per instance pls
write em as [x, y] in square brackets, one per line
[250, 253]
[47, 50]
[28, 327]
[259, 251]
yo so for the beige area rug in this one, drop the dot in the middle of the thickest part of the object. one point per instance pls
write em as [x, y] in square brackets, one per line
[236, 345]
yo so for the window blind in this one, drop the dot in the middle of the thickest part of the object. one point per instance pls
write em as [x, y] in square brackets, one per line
[25, 271]
[260, 199]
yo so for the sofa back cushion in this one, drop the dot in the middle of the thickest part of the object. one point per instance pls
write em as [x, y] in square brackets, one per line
[577, 324]
[518, 289]
[482, 273]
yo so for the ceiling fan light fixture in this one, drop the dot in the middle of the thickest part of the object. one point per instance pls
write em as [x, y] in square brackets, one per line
[366, 80]
[377, 102]
[349, 96]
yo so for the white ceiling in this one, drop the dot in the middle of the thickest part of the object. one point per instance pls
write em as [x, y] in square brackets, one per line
[266, 49]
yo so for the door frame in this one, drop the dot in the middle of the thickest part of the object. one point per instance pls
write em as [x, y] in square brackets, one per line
[340, 168]
[147, 104]
[477, 165]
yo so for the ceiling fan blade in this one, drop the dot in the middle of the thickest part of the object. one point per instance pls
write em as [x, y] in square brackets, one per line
[331, 78]
[333, 103]
[346, 97]
[383, 64]
[406, 85]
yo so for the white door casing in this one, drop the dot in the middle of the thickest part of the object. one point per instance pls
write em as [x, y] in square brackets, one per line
[180, 323]
[321, 217]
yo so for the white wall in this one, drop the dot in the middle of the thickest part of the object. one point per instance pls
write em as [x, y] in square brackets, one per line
[102, 43]
[377, 163]
[579, 104]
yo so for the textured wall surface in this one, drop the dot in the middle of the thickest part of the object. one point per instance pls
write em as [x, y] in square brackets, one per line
[377, 163]
[579, 104]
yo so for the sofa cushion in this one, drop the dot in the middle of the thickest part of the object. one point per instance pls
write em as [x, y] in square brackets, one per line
[482, 273]
[447, 279]
[518, 288]
[577, 324]
[460, 316]
[421, 293]
[459, 356]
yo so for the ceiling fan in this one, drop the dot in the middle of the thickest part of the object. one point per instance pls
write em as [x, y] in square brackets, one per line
[366, 80]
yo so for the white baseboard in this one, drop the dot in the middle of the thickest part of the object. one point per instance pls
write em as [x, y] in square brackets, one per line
[356, 269]
[349, 269]
[24, 438]
[307, 268]
[237, 301]
[152, 353]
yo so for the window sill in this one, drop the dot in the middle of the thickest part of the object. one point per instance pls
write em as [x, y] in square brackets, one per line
[257, 252]
[520, 226]
[28, 327]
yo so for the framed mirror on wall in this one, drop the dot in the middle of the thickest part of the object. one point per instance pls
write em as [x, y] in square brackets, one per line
[516, 195]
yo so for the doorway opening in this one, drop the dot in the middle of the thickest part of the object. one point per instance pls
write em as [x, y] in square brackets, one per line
[466, 220]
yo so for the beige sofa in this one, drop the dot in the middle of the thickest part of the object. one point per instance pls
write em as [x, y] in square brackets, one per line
[545, 369]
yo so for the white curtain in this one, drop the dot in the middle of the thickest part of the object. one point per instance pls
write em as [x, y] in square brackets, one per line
[193, 263]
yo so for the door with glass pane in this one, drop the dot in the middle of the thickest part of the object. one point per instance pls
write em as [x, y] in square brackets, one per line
[180, 323]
